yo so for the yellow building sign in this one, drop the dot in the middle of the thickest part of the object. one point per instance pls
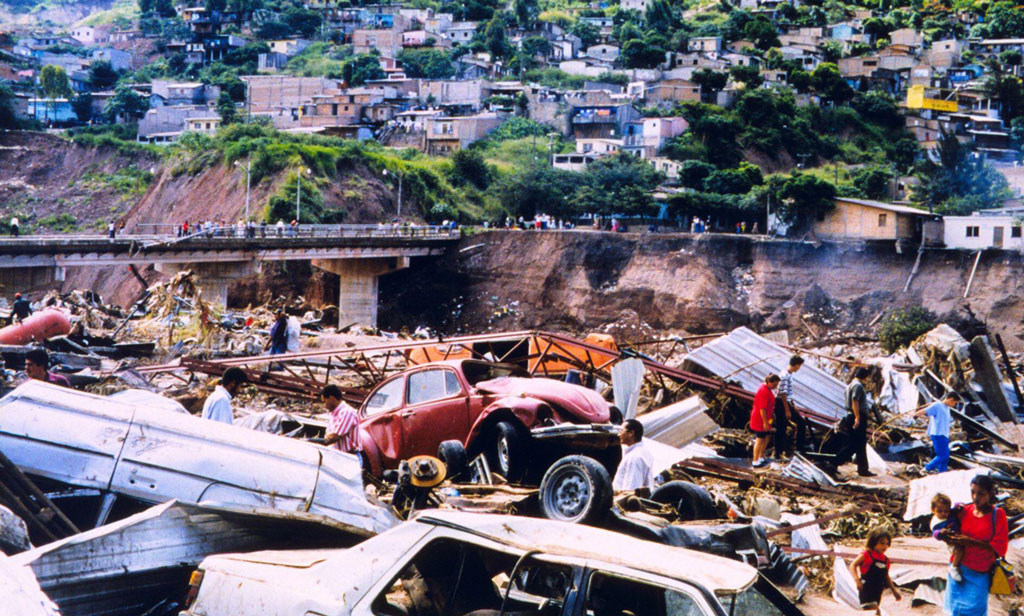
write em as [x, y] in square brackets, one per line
[916, 99]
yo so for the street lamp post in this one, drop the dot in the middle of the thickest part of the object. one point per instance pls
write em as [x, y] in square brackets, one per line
[248, 178]
[298, 193]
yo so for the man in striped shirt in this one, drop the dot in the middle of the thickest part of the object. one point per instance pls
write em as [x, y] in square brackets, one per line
[785, 412]
[343, 426]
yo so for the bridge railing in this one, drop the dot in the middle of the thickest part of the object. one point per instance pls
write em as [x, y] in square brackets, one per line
[299, 231]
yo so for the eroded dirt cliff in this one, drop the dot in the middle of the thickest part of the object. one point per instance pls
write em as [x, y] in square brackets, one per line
[638, 284]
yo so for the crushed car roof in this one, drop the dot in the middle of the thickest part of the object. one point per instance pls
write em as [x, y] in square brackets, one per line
[577, 540]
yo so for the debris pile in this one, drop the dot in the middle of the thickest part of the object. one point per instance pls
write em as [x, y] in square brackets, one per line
[118, 499]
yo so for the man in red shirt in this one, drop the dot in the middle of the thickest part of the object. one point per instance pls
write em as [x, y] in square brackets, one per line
[761, 418]
[343, 426]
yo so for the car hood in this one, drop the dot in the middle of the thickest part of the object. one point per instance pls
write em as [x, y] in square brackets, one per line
[584, 404]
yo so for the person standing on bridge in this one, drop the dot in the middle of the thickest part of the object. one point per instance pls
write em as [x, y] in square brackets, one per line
[280, 228]
[111, 229]
[14, 226]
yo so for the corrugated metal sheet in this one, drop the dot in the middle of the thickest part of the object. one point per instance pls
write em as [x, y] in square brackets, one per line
[128, 566]
[747, 358]
[678, 424]
[802, 469]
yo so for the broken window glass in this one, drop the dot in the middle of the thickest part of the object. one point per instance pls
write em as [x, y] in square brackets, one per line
[455, 578]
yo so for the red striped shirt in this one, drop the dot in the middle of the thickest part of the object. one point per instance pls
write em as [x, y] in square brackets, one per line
[345, 423]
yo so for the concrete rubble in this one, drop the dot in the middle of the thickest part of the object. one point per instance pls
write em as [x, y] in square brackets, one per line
[117, 499]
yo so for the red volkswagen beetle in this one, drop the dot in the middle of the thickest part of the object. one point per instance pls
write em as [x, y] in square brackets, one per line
[518, 422]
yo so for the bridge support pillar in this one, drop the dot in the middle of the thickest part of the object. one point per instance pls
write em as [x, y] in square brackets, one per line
[357, 297]
[214, 278]
[19, 279]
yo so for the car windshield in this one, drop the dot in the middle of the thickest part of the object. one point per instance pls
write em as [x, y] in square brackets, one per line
[479, 371]
[761, 598]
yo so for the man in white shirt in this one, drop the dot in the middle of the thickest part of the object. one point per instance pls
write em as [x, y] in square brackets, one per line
[635, 469]
[15, 226]
[218, 404]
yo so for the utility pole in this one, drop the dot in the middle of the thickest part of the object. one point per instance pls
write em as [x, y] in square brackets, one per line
[248, 178]
[298, 193]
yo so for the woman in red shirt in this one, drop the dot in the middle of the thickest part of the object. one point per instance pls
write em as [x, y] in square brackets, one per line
[761, 417]
[984, 535]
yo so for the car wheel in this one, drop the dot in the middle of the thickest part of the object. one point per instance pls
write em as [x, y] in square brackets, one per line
[508, 451]
[691, 501]
[576, 489]
[454, 456]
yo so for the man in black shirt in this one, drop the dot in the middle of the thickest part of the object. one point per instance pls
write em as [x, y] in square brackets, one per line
[21, 308]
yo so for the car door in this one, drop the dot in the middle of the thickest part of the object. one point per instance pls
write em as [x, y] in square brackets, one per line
[436, 409]
[380, 419]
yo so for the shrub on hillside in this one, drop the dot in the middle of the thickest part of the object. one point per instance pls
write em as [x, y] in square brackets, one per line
[901, 327]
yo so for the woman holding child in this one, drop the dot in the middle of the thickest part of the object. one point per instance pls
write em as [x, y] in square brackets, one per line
[980, 529]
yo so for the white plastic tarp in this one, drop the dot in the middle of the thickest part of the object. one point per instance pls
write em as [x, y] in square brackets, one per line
[954, 484]
[627, 378]
[898, 394]
[807, 538]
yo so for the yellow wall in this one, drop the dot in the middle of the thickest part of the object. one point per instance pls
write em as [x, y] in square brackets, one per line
[856, 221]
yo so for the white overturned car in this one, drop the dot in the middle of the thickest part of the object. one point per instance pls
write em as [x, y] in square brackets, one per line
[128, 455]
[446, 563]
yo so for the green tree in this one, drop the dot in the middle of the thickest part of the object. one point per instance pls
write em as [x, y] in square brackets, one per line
[801, 80]
[762, 33]
[304, 22]
[102, 75]
[636, 53]
[273, 30]
[960, 180]
[537, 188]
[804, 198]
[747, 75]
[589, 33]
[901, 327]
[215, 5]
[829, 83]
[1004, 19]
[710, 82]
[469, 166]
[427, 63]
[832, 50]
[659, 16]
[495, 38]
[226, 109]
[7, 118]
[54, 82]
[526, 13]
[125, 103]
[361, 69]
[618, 184]
[1005, 88]
[873, 182]
[82, 106]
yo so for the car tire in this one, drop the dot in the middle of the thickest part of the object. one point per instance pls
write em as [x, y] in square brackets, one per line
[691, 501]
[455, 458]
[576, 489]
[508, 451]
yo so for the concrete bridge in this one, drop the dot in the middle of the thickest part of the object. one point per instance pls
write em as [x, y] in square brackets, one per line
[358, 254]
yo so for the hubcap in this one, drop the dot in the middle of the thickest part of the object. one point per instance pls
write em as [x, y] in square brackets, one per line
[503, 455]
[571, 493]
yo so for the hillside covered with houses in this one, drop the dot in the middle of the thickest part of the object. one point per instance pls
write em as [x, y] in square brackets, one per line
[738, 115]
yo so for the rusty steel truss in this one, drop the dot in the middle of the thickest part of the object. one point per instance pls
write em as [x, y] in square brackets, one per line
[543, 353]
